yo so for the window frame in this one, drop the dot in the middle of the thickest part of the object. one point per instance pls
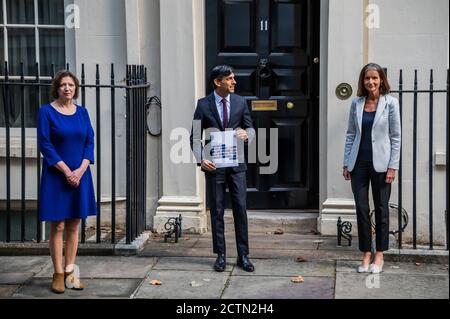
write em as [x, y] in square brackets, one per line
[36, 26]
[30, 132]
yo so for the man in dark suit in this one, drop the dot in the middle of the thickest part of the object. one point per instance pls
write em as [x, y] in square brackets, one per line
[223, 110]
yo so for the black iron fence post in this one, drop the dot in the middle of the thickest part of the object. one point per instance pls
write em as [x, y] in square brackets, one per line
[99, 152]
[8, 155]
[113, 157]
[430, 163]
[447, 161]
[415, 163]
[38, 156]
[400, 194]
[128, 157]
[22, 162]
[83, 102]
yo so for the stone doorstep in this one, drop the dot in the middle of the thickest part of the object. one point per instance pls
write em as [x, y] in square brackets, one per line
[299, 222]
[418, 256]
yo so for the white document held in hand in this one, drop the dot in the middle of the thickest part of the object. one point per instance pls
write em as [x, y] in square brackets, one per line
[224, 149]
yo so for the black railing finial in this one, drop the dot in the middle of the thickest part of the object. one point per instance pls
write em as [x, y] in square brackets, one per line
[344, 230]
[173, 227]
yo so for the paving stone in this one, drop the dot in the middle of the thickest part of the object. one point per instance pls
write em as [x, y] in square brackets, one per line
[288, 267]
[264, 287]
[95, 288]
[6, 291]
[190, 263]
[23, 263]
[177, 285]
[397, 268]
[11, 278]
[391, 286]
[108, 267]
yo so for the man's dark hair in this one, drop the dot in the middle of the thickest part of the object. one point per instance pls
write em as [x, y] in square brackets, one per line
[219, 72]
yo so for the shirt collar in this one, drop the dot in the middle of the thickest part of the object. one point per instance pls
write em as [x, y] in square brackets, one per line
[219, 98]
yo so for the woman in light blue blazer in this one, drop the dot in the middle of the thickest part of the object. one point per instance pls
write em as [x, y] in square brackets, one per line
[371, 155]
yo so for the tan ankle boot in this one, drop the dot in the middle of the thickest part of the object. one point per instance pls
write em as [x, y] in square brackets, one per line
[58, 283]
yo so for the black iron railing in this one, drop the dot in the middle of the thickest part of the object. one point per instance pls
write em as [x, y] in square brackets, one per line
[431, 92]
[136, 88]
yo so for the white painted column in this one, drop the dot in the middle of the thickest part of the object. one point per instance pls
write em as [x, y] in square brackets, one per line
[143, 47]
[342, 46]
[182, 74]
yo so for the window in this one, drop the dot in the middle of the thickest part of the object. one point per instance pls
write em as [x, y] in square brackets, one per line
[31, 31]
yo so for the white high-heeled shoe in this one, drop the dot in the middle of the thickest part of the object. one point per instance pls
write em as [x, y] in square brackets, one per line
[375, 269]
[362, 269]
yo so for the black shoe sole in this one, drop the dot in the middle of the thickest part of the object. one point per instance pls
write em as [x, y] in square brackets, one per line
[247, 270]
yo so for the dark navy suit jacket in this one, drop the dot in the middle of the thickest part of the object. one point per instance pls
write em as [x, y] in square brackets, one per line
[208, 117]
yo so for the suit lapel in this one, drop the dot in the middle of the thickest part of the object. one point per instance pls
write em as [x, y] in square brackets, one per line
[233, 109]
[213, 106]
[380, 108]
[359, 111]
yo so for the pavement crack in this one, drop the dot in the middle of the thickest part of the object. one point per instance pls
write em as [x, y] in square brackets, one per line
[227, 284]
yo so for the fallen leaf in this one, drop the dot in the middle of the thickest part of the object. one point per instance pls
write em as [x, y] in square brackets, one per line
[156, 282]
[279, 231]
[195, 284]
[186, 238]
[298, 279]
[301, 259]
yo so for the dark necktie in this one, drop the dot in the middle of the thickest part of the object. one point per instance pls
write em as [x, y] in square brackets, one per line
[225, 113]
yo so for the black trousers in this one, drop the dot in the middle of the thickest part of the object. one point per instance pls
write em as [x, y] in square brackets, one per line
[216, 187]
[362, 174]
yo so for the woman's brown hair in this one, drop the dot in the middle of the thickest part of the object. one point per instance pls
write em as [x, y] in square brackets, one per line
[56, 82]
[385, 88]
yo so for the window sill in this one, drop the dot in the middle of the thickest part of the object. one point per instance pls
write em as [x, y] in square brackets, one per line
[15, 148]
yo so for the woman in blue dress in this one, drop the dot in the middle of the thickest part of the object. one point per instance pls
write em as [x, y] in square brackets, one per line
[66, 140]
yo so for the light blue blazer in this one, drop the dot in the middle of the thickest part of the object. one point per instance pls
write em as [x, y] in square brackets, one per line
[386, 134]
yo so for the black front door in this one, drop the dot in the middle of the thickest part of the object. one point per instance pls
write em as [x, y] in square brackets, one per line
[273, 47]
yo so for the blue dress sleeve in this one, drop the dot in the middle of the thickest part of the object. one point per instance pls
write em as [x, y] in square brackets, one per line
[43, 131]
[89, 143]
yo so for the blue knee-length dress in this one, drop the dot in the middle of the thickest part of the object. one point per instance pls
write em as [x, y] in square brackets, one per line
[67, 138]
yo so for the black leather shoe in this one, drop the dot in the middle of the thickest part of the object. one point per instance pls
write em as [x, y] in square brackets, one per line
[220, 263]
[245, 263]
